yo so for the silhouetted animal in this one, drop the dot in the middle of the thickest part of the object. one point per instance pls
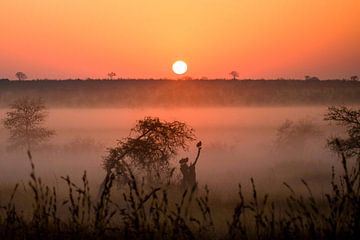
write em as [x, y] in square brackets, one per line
[189, 171]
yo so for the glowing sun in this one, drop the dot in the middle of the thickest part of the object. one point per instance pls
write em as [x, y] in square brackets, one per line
[179, 67]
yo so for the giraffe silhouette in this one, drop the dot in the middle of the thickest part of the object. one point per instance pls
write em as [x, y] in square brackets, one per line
[189, 170]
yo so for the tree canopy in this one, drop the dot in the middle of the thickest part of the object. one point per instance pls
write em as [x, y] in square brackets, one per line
[150, 147]
[21, 76]
[234, 74]
[350, 119]
[25, 123]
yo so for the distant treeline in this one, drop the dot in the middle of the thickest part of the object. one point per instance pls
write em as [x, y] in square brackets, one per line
[142, 93]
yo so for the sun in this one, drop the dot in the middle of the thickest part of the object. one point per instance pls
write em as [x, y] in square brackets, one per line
[179, 67]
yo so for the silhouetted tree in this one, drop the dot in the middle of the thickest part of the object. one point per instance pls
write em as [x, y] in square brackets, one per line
[309, 78]
[186, 78]
[21, 76]
[150, 147]
[354, 78]
[24, 122]
[111, 75]
[234, 74]
[295, 134]
[350, 119]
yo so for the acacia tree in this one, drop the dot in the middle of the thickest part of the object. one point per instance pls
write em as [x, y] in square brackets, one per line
[234, 74]
[350, 119]
[25, 123]
[150, 147]
[21, 76]
[111, 75]
[354, 78]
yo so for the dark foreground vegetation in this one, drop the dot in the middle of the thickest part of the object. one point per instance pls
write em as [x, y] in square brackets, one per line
[200, 93]
[144, 212]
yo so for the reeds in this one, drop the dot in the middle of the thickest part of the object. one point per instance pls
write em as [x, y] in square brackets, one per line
[163, 212]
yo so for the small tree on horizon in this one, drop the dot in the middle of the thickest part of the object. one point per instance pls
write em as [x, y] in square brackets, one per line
[24, 122]
[310, 78]
[111, 75]
[354, 78]
[234, 74]
[21, 76]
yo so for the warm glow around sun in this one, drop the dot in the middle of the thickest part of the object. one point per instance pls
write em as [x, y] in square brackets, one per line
[179, 67]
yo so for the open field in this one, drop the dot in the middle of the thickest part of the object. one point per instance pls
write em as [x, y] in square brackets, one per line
[239, 143]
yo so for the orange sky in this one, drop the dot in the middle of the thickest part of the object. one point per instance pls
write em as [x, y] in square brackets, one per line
[142, 38]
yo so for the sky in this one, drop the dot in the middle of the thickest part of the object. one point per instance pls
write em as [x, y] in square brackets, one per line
[58, 39]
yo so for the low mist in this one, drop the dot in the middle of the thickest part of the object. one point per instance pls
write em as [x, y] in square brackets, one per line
[238, 143]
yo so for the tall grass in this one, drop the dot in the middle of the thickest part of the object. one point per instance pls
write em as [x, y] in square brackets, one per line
[146, 212]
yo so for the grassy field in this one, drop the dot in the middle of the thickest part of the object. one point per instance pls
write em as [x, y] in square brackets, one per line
[139, 211]
[52, 199]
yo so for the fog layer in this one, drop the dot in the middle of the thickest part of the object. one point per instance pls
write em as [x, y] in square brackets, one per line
[238, 143]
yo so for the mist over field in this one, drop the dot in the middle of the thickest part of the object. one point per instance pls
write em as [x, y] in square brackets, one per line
[274, 134]
[239, 143]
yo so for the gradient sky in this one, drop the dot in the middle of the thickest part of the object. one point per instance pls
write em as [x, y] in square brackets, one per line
[142, 38]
